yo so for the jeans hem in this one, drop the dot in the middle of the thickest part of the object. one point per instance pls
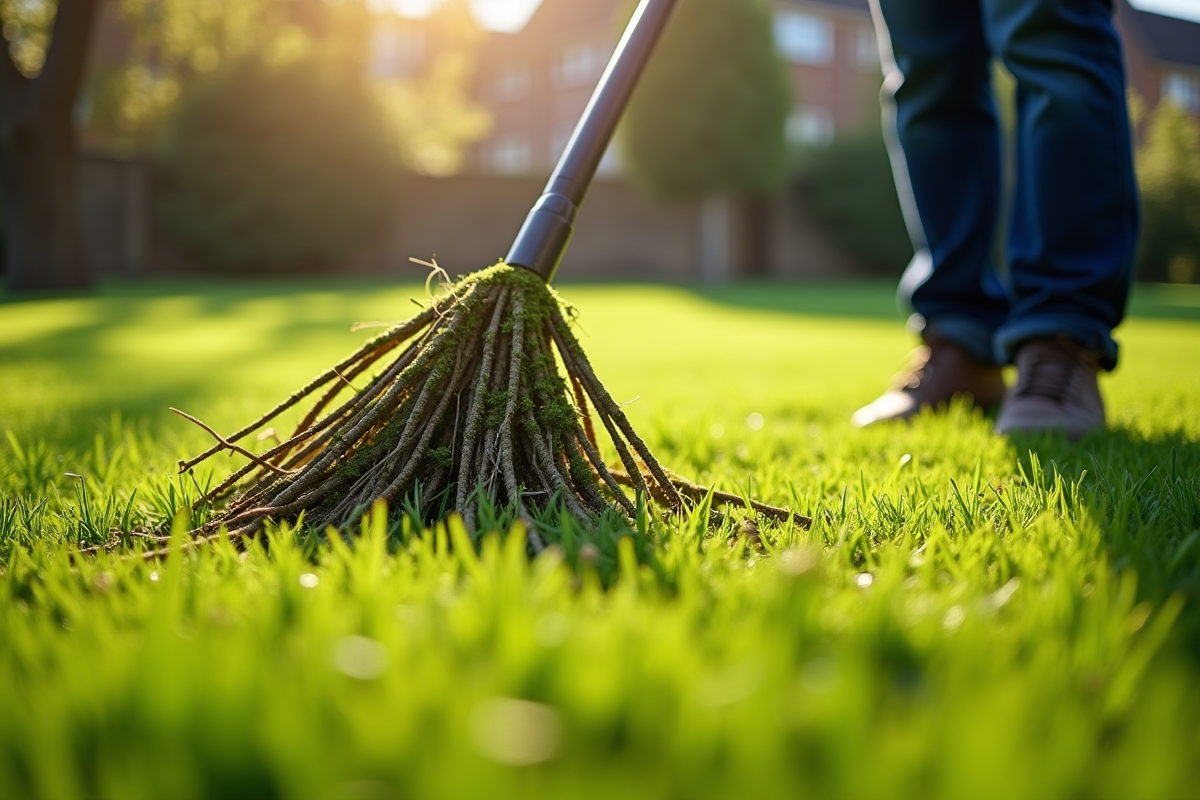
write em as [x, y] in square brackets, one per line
[967, 333]
[1088, 333]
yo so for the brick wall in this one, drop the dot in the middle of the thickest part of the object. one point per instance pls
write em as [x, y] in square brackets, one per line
[468, 221]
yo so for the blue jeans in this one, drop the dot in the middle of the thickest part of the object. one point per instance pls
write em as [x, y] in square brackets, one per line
[1072, 225]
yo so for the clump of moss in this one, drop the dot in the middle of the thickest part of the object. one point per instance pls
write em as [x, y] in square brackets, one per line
[487, 393]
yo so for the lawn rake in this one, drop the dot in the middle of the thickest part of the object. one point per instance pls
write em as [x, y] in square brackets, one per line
[484, 395]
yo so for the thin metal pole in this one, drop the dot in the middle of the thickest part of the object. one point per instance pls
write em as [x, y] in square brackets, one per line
[544, 237]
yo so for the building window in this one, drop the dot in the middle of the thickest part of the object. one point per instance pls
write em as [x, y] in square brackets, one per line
[512, 83]
[512, 154]
[866, 49]
[810, 125]
[804, 38]
[1183, 90]
[581, 64]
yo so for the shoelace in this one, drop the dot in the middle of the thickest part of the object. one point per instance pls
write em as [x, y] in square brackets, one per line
[1047, 375]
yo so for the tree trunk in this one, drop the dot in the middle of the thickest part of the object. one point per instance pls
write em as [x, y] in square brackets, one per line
[715, 239]
[44, 236]
[755, 237]
[44, 244]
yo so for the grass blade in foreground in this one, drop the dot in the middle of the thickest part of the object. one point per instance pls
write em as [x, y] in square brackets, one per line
[963, 619]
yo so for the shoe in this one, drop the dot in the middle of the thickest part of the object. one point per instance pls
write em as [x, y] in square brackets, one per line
[938, 372]
[1057, 389]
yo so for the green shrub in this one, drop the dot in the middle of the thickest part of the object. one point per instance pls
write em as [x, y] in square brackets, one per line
[3, 237]
[277, 168]
[849, 190]
[1168, 168]
[709, 114]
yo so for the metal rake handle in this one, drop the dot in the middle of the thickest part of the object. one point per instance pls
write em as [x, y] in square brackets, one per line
[547, 231]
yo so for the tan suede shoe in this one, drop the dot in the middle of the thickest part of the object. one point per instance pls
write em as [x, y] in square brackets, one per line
[1057, 389]
[938, 372]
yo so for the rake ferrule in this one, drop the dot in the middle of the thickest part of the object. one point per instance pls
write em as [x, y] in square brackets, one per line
[544, 237]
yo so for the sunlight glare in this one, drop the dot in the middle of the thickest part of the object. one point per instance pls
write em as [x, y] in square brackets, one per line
[1184, 9]
[497, 15]
[412, 8]
[504, 15]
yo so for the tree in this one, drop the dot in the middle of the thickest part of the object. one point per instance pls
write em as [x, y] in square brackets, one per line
[180, 43]
[1168, 168]
[850, 191]
[433, 113]
[285, 123]
[709, 116]
[278, 166]
[40, 75]
[849, 186]
[174, 44]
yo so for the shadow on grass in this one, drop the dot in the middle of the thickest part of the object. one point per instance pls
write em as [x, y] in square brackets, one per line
[1144, 491]
[875, 298]
[89, 376]
[245, 287]
[872, 299]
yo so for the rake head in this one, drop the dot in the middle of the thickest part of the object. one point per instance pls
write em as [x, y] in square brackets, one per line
[486, 394]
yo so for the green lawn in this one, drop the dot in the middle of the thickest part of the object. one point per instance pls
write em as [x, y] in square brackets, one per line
[968, 617]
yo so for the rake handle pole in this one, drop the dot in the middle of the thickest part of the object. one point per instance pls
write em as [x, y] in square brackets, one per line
[547, 231]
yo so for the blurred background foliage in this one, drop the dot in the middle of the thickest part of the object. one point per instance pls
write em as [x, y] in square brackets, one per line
[27, 26]
[708, 116]
[848, 189]
[277, 167]
[1169, 176]
[3, 224]
[177, 43]
[707, 119]
[277, 141]
[433, 141]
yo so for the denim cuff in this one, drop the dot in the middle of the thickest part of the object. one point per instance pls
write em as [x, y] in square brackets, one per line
[1084, 331]
[965, 332]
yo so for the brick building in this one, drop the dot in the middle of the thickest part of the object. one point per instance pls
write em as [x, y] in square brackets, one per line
[1162, 57]
[537, 81]
[832, 56]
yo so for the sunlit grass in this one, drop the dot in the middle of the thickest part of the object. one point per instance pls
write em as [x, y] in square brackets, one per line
[969, 616]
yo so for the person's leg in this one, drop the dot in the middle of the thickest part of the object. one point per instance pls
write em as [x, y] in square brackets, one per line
[1075, 212]
[944, 138]
[946, 152]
